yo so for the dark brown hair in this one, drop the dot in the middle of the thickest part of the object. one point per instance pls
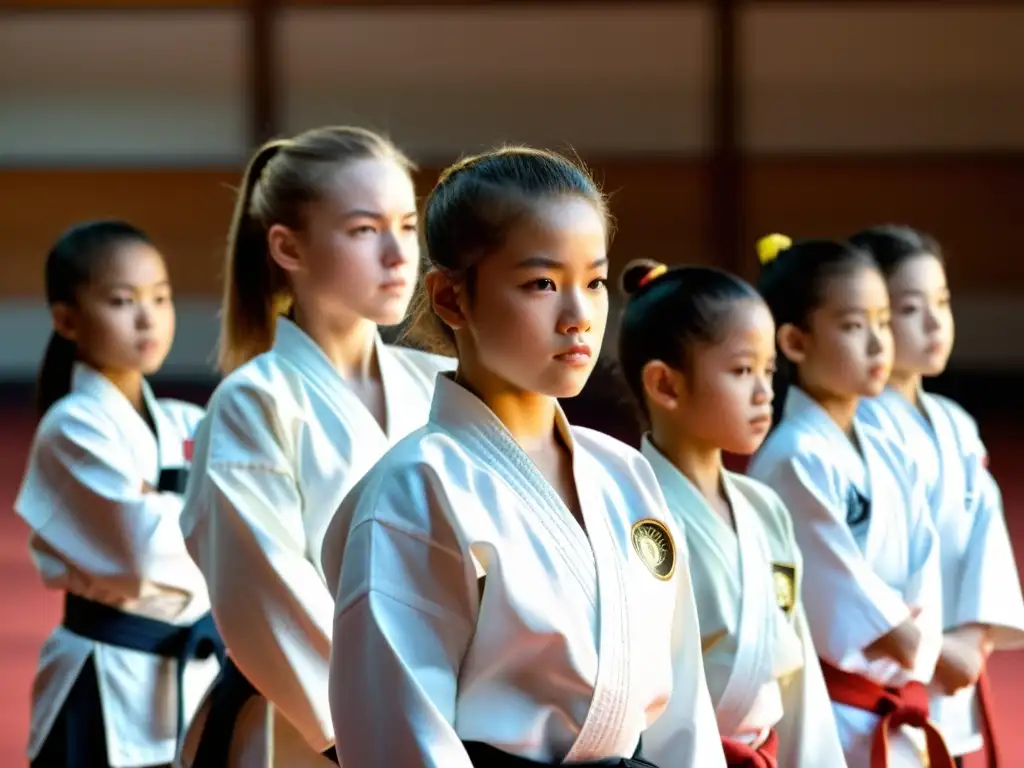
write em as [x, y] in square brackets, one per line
[472, 208]
[668, 313]
[283, 177]
[73, 262]
[892, 245]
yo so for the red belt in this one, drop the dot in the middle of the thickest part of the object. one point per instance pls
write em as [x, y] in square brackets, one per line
[985, 704]
[740, 755]
[906, 705]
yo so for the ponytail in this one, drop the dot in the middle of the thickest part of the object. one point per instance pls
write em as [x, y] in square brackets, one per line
[255, 291]
[54, 380]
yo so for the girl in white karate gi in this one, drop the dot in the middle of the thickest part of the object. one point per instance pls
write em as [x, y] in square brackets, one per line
[870, 551]
[697, 348]
[324, 247]
[118, 679]
[511, 591]
[982, 605]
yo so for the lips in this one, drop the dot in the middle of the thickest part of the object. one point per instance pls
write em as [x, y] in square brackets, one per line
[575, 355]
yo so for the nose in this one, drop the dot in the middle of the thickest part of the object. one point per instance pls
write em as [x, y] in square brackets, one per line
[932, 322]
[763, 391]
[576, 316]
[397, 250]
[144, 315]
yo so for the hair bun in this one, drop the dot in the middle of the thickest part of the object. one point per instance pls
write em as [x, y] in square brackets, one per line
[770, 246]
[636, 275]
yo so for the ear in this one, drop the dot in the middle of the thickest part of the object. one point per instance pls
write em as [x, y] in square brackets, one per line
[792, 343]
[65, 321]
[447, 298]
[664, 386]
[285, 248]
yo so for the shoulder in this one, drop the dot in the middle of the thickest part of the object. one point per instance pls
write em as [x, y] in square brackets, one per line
[791, 443]
[255, 390]
[876, 412]
[612, 452]
[770, 507]
[186, 415]
[76, 414]
[962, 420]
[426, 364]
[408, 486]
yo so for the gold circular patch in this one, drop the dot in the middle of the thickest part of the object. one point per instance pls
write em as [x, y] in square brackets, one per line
[784, 577]
[653, 543]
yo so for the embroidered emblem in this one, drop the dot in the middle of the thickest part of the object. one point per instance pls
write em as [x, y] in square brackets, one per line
[653, 543]
[784, 578]
[858, 508]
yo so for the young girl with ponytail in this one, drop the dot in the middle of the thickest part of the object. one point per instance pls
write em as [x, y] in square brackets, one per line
[324, 248]
[132, 657]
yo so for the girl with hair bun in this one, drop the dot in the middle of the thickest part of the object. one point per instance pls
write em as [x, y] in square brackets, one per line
[697, 347]
[873, 594]
[510, 589]
[982, 605]
[324, 247]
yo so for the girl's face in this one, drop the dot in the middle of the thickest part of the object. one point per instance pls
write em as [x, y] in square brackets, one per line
[358, 252]
[847, 350]
[922, 323]
[123, 320]
[726, 399]
[536, 315]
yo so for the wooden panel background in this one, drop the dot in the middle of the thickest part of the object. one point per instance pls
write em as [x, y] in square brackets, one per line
[974, 205]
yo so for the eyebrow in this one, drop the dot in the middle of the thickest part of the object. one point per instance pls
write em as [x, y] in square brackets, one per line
[130, 287]
[363, 213]
[922, 294]
[535, 262]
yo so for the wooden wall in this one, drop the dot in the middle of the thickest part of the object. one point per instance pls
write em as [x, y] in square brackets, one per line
[974, 205]
[849, 113]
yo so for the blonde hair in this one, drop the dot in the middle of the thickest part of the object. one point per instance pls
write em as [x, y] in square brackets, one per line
[282, 178]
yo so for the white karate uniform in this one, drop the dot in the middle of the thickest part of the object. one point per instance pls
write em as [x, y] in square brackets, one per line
[980, 580]
[869, 564]
[284, 439]
[471, 605]
[759, 659]
[96, 534]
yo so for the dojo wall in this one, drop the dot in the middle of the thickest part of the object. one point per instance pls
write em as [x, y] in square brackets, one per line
[852, 113]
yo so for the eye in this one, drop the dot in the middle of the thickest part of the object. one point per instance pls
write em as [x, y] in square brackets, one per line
[599, 284]
[120, 301]
[743, 370]
[365, 229]
[541, 284]
[908, 310]
[412, 227]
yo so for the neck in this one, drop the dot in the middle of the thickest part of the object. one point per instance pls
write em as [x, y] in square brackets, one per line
[699, 462]
[842, 409]
[528, 416]
[907, 384]
[347, 342]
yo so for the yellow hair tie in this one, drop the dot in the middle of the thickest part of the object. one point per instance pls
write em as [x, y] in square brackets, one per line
[770, 246]
[654, 274]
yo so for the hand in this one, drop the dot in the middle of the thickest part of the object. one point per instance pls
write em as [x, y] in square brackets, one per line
[147, 488]
[964, 653]
[899, 644]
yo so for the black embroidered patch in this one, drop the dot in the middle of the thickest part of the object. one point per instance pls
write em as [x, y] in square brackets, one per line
[784, 579]
[653, 544]
[858, 508]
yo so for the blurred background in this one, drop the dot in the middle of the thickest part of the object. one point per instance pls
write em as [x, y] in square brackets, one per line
[710, 123]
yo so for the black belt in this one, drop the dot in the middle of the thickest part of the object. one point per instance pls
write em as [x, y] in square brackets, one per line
[110, 626]
[485, 756]
[230, 692]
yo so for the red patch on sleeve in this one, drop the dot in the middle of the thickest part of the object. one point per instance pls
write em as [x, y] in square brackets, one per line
[187, 448]
[984, 460]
